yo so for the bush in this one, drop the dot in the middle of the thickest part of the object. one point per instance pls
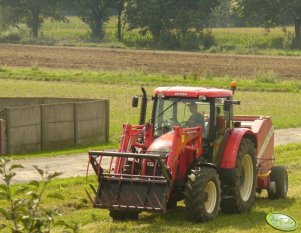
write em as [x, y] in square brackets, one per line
[190, 41]
[15, 34]
[24, 212]
[168, 40]
[277, 43]
[207, 39]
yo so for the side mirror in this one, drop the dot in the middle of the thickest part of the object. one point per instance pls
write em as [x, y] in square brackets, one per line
[229, 103]
[135, 101]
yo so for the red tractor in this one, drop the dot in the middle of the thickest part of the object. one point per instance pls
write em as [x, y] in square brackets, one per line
[193, 148]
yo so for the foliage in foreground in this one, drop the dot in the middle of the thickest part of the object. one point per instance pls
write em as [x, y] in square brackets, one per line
[24, 212]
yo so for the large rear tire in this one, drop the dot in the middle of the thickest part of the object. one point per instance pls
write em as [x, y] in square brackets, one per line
[279, 176]
[203, 195]
[239, 197]
[124, 215]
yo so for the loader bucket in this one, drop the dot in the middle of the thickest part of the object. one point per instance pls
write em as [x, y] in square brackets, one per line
[130, 181]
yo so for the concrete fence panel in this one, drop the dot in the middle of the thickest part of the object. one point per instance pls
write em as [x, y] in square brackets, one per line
[2, 137]
[57, 126]
[19, 102]
[91, 122]
[64, 100]
[51, 123]
[23, 129]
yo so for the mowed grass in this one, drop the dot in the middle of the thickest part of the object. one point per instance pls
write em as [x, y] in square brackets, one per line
[284, 107]
[267, 82]
[76, 207]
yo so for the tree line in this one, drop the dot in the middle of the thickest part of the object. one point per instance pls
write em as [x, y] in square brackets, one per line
[171, 23]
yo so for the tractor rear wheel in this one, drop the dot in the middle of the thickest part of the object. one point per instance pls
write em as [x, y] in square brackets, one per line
[239, 197]
[124, 215]
[203, 195]
[279, 176]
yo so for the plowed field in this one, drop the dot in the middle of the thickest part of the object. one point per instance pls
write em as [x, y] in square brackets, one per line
[150, 61]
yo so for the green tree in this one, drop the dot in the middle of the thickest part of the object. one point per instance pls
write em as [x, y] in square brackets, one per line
[120, 9]
[222, 16]
[94, 13]
[272, 13]
[170, 18]
[33, 12]
[7, 17]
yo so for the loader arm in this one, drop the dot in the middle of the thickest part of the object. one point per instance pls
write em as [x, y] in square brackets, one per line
[185, 140]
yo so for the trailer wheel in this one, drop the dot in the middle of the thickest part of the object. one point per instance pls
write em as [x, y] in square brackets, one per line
[279, 176]
[124, 215]
[203, 195]
[239, 197]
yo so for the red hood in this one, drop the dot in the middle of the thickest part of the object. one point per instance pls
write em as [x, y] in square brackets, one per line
[162, 143]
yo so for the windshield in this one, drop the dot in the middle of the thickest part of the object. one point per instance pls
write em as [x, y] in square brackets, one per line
[184, 112]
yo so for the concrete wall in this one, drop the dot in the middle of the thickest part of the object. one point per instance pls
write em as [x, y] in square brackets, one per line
[92, 122]
[42, 127]
[2, 137]
[29, 101]
[58, 123]
[23, 129]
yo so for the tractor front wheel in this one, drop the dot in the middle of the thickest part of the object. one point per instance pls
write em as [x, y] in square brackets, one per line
[239, 196]
[279, 176]
[203, 195]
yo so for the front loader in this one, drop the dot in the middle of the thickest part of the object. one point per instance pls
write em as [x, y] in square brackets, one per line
[213, 166]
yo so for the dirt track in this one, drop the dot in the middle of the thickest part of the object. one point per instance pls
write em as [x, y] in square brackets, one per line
[150, 61]
[76, 165]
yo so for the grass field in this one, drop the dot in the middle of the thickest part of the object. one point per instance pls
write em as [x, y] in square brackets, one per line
[119, 87]
[77, 209]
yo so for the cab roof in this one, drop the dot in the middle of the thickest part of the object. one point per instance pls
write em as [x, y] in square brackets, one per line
[192, 92]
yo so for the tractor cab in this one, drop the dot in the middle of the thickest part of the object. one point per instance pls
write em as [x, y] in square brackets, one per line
[188, 107]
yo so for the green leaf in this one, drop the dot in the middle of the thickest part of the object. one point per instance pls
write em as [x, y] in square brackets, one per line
[61, 223]
[33, 194]
[2, 226]
[15, 166]
[3, 187]
[4, 196]
[39, 170]
[53, 175]
[4, 161]
[8, 177]
[5, 213]
[21, 190]
[35, 183]
[56, 196]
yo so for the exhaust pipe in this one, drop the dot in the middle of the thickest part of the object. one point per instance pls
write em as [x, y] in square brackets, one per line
[143, 107]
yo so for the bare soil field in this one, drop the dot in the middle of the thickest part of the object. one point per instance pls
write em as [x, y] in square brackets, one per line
[174, 63]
